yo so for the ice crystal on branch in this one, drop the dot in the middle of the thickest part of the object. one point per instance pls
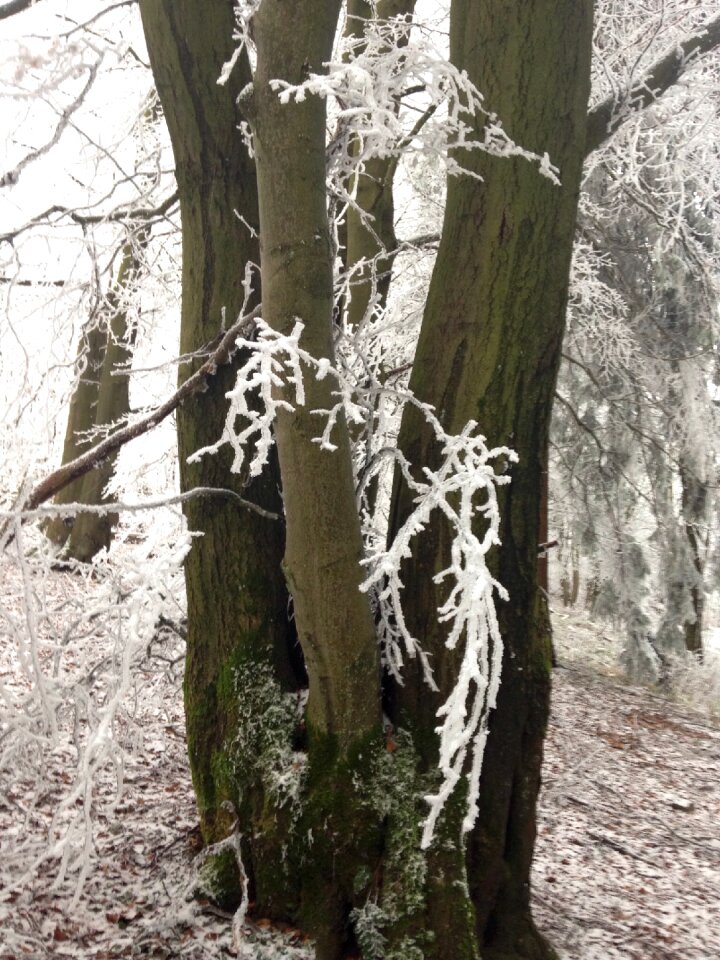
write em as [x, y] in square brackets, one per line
[274, 361]
[463, 488]
[393, 92]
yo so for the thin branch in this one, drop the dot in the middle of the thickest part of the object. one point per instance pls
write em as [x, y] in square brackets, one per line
[11, 177]
[72, 509]
[87, 219]
[83, 26]
[609, 115]
[118, 216]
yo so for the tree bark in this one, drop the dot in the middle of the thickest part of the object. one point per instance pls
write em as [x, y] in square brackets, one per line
[236, 596]
[324, 545]
[489, 350]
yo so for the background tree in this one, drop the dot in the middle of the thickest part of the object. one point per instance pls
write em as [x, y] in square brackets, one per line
[640, 367]
[100, 399]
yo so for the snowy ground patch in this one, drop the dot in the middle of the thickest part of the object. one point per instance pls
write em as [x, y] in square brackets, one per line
[628, 862]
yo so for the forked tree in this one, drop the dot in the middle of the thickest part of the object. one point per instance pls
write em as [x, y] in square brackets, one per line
[318, 812]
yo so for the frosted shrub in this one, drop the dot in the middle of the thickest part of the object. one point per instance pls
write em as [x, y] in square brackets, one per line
[696, 682]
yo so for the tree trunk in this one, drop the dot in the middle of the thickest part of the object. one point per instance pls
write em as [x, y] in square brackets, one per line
[236, 597]
[81, 420]
[92, 532]
[489, 350]
[324, 546]
[100, 398]
[694, 516]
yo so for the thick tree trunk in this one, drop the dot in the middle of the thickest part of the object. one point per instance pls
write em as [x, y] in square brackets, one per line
[324, 545]
[310, 844]
[237, 601]
[489, 350]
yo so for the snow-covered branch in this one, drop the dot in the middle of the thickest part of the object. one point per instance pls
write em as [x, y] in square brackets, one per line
[609, 115]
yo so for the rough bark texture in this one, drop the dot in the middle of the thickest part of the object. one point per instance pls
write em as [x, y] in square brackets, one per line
[237, 601]
[489, 349]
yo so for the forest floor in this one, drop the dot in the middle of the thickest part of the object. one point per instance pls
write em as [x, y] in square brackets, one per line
[628, 859]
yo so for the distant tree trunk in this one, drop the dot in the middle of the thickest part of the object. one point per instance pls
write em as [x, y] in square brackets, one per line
[489, 350]
[694, 515]
[81, 420]
[101, 398]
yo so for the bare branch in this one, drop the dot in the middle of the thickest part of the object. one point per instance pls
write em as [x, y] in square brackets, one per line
[11, 177]
[71, 509]
[13, 7]
[86, 219]
[87, 23]
[608, 116]
[197, 383]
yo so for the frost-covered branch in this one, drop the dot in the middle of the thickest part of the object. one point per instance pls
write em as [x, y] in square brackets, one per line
[463, 489]
[371, 76]
[82, 652]
[609, 115]
[275, 360]
[11, 177]
[68, 510]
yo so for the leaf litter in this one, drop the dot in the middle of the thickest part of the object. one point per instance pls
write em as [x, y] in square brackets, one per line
[628, 852]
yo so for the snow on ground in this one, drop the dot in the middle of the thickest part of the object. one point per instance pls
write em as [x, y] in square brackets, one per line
[628, 857]
[628, 864]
